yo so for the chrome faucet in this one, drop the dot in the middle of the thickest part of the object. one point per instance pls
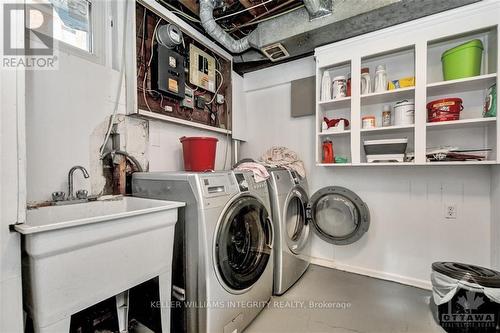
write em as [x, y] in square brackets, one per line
[71, 195]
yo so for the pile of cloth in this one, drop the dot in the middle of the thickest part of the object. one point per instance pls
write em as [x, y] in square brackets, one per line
[272, 158]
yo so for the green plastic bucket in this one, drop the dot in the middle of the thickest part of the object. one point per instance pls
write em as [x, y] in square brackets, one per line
[463, 60]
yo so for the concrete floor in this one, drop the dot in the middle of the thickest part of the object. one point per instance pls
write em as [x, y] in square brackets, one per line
[355, 303]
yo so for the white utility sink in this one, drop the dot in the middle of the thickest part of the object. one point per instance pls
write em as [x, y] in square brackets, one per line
[77, 255]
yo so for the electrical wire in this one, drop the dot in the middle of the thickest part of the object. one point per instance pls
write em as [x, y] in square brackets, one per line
[153, 91]
[243, 10]
[227, 135]
[148, 66]
[141, 54]
[188, 86]
[143, 32]
[218, 88]
[119, 89]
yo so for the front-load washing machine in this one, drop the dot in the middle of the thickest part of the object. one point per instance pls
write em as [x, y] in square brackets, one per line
[222, 271]
[335, 213]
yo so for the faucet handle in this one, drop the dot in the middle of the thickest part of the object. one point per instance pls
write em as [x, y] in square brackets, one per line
[58, 196]
[82, 194]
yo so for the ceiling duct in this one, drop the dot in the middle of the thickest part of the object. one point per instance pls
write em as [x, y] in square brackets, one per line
[216, 32]
[349, 18]
[318, 8]
[298, 32]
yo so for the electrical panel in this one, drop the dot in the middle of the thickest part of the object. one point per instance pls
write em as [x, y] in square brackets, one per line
[201, 69]
[178, 76]
[167, 73]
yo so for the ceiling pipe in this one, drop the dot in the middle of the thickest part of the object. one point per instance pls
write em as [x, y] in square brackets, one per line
[216, 32]
[318, 8]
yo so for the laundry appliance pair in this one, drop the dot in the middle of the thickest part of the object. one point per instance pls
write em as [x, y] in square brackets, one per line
[238, 241]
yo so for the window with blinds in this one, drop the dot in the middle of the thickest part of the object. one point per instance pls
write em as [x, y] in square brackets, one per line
[73, 23]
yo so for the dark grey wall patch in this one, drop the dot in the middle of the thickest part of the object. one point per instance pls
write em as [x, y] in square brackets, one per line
[303, 97]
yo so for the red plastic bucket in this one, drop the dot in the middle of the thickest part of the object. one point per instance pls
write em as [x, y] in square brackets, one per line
[445, 109]
[199, 153]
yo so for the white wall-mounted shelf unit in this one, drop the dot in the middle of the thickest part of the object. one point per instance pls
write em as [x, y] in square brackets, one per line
[414, 49]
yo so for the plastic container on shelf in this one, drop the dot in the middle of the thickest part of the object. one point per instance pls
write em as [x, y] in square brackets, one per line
[446, 109]
[368, 122]
[385, 146]
[490, 102]
[404, 113]
[463, 60]
[199, 153]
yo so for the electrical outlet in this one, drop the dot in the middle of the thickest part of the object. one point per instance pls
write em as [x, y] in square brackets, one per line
[450, 211]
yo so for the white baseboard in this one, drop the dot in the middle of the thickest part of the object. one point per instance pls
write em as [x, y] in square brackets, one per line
[423, 284]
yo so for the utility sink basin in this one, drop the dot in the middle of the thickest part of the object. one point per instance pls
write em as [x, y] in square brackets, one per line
[77, 255]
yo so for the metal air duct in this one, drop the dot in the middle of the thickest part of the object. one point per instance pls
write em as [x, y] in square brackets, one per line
[217, 33]
[318, 8]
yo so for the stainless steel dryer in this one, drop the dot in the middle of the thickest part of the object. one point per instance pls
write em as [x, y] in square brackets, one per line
[289, 200]
[335, 213]
[223, 260]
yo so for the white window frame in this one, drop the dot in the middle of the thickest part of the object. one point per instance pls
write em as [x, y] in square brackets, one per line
[98, 14]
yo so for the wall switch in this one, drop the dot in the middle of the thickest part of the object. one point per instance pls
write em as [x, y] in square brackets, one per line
[450, 211]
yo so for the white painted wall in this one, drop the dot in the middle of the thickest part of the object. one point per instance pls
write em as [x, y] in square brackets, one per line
[165, 150]
[408, 230]
[67, 114]
[495, 217]
[64, 108]
[10, 194]
[12, 185]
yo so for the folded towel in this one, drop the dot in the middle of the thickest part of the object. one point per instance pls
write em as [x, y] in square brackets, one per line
[259, 171]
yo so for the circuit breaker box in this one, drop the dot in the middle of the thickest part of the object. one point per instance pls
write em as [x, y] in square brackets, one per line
[201, 69]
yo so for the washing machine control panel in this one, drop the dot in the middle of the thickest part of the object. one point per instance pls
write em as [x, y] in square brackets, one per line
[216, 185]
[247, 181]
[295, 177]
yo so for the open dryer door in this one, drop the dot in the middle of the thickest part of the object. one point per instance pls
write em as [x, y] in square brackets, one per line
[338, 215]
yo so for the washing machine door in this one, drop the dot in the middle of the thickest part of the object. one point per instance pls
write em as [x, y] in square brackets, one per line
[295, 220]
[338, 215]
[243, 243]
